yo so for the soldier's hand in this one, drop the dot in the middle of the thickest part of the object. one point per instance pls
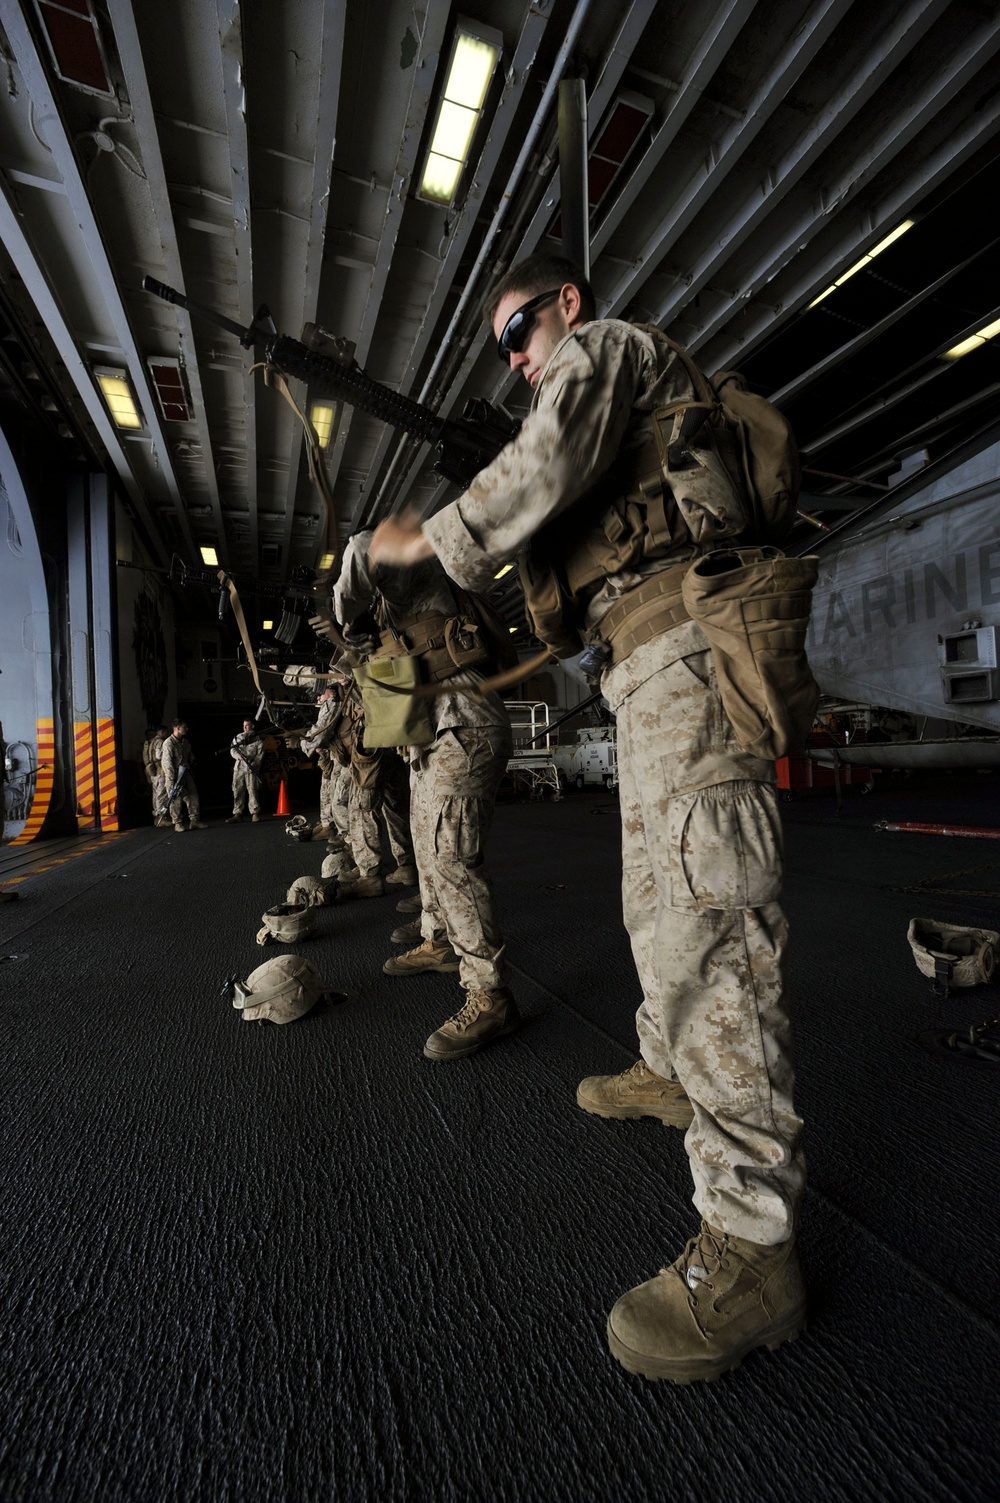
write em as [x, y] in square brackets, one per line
[400, 540]
[324, 624]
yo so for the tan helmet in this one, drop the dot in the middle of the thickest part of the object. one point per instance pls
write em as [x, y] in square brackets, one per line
[299, 827]
[951, 953]
[336, 863]
[286, 923]
[312, 891]
[279, 991]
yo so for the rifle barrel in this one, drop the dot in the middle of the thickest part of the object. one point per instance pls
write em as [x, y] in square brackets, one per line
[171, 295]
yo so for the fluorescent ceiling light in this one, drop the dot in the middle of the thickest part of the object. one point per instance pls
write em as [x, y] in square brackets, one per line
[117, 394]
[326, 562]
[269, 626]
[321, 417]
[973, 342]
[473, 59]
[512, 629]
[209, 556]
[876, 250]
[505, 570]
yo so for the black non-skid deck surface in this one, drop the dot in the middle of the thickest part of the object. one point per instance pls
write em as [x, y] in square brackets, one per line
[250, 1262]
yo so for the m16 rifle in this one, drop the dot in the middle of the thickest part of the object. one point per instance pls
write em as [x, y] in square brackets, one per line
[463, 446]
[172, 793]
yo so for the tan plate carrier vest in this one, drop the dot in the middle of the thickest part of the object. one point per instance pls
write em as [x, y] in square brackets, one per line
[694, 506]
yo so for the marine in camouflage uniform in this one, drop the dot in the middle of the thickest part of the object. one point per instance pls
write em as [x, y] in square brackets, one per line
[379, 786]
[247, 752]
[317, 742]
[701, 842]
[152, 751]
[453, 786]
[176, 754]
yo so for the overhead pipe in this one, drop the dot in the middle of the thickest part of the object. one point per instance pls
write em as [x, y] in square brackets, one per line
[573, 175]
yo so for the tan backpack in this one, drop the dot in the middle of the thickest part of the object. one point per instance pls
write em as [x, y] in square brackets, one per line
[754, 441]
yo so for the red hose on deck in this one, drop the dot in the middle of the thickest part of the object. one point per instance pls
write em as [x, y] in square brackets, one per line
[976, 832]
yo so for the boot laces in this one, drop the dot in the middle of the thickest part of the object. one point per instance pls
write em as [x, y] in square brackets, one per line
[701, 1260]
[470, 1009]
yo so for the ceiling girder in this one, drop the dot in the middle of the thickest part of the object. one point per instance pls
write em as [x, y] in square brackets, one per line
[134, 70]
[872, 159]
[334, 18]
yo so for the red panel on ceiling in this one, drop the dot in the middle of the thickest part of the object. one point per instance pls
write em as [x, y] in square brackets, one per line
[75, 48]
[619, 135]
[599, 176]
[171, 391]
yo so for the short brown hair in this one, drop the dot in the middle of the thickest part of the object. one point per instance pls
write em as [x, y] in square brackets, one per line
[538, 273]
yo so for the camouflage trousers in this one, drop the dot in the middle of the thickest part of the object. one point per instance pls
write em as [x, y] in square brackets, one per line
[701, 875]
[339, 785]
[186, 799]
[453, 788]
[390, 798]
[159, 786]
[326, 790]
[246, 788]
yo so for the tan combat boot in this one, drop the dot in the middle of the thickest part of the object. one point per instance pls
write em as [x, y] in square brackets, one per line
[403, 876]
[484, 1016]
[180, 829]
[409, 905]
[198, 824]
[236, 819]
[431, 955]
[723, 1297]
[637, 1092]
[363, 887]
[407, 934]
[256, 818]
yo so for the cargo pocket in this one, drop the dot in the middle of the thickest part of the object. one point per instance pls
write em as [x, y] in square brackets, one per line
[725, 845]
[458, 834]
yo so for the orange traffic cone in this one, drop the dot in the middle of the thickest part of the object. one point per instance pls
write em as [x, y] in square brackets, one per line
[284, 807]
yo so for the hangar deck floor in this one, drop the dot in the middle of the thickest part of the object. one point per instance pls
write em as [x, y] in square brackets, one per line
[300, 1263]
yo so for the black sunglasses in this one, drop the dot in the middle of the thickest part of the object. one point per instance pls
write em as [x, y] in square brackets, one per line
[514, 334]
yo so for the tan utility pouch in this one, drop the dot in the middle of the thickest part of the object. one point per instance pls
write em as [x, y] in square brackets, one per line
[753, 606]
[393, 715]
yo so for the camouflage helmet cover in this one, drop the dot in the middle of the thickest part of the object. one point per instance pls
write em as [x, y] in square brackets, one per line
[279, 991]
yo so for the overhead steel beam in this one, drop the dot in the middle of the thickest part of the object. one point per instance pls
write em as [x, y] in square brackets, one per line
[508, 197]
[625, 41]
[334, 16]
[716, 41]
[32, 275]
[229, 18]
[423, 72]
[855, 346]
[460, 229]
[925, 175]
[36, 82]
[136, 81]
[956, 75]
[787, 68]
[939, 367]
[718, 37]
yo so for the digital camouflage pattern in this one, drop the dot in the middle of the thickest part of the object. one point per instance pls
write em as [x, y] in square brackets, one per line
[701, 841]
[176, 754]
[701, 875]
[453, 787]
[247, 752]
[453, 781]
